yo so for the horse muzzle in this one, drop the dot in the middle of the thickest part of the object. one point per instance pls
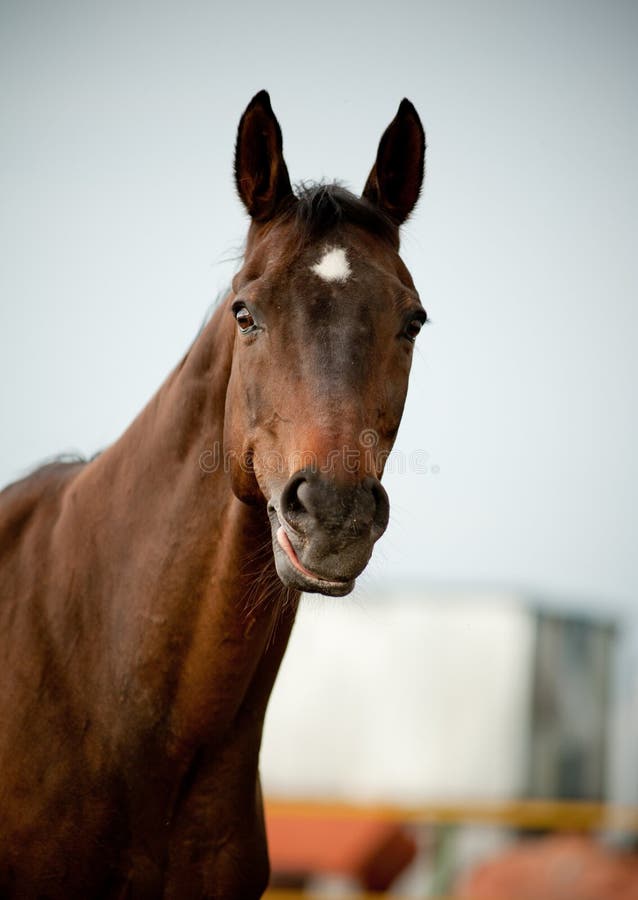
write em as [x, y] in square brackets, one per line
[324, 532]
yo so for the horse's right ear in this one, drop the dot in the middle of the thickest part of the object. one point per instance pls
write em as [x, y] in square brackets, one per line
[261, 174]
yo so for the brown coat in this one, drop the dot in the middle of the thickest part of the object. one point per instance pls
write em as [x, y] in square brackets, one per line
[147, 596]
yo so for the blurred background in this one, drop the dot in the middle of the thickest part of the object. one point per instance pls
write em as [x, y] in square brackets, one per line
[490, 654]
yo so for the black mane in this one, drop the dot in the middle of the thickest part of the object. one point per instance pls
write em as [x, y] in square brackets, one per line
[322, 207]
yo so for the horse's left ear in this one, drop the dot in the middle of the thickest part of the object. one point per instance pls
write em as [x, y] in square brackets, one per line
[261, 174]
[394, 184]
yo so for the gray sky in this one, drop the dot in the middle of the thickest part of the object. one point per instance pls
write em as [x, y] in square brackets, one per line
[117, 206]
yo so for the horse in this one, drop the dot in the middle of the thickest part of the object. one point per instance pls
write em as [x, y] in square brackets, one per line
[147, 595]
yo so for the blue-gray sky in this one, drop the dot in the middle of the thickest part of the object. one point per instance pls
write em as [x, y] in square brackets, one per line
[117, 124]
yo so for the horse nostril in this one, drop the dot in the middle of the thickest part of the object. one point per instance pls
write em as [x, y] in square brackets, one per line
[291, 502]
[305, 499]
[381, 503]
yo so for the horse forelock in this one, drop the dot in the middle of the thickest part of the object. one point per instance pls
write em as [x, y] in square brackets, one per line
[321, 207]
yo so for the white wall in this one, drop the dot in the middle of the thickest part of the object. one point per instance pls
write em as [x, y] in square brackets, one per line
[407, 698]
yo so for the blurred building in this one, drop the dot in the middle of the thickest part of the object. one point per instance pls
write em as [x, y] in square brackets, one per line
[570, 711]
[415, 695]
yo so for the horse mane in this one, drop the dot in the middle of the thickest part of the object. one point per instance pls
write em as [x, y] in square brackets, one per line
[51, 466]
[321, 207]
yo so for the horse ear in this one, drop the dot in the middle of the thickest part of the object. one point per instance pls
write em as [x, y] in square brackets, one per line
[394, 184]
[261, 174]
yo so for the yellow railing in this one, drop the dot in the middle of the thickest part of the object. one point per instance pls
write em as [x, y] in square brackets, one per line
[291, 894]
[524, 814]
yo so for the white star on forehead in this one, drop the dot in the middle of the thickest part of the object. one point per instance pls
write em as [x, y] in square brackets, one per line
[333, 265]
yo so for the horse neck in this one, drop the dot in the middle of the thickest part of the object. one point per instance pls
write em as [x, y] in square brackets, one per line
[195, 586]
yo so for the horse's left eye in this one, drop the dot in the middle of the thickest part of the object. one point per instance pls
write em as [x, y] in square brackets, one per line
[413, 328]
[244, 319]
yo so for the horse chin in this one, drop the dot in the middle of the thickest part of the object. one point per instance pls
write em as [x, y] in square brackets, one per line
[299, 581]
[295, 575]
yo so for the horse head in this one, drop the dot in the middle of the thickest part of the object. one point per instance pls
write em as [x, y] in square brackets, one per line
[326, 315]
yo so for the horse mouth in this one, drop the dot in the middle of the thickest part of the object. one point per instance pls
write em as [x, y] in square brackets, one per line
[294, 574]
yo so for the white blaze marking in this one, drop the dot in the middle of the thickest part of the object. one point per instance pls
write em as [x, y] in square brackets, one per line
[333, 265]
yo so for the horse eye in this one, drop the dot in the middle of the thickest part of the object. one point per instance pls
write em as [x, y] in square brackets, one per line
[413, 328]
[244, 319]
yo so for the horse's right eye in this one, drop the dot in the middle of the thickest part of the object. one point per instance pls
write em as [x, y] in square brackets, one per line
[244, 319]
[413, 328]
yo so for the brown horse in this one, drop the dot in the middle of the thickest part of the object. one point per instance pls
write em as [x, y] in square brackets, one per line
[147, 596]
